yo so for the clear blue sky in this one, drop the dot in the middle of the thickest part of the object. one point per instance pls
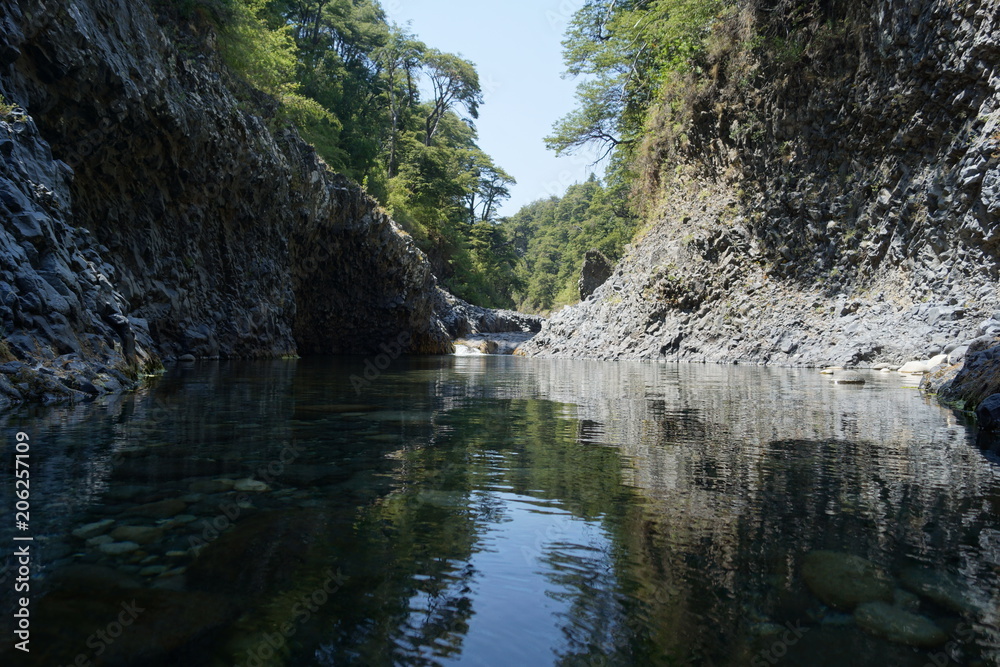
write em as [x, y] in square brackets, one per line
[516, 46]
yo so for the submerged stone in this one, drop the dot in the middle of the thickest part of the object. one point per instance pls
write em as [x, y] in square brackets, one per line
[844, 581]
[848, 377]
[942, 588]
[94, 529]
[118, 548]
[898, 625]
[251, 485]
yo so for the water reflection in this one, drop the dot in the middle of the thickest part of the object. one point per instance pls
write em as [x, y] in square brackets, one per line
[493, 510]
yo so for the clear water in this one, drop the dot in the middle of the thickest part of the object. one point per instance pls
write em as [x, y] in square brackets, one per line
[488, 510]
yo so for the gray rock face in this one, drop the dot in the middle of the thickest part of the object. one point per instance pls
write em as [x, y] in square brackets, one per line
[460, 318]
[843, 223]
[595, 272]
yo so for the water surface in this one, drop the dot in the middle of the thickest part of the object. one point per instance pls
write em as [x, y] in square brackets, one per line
[485, 510]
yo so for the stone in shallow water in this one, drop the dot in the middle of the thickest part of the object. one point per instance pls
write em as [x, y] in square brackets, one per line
[118, 548]
[848, 377]
[843, 580]
[98, 540]
[254, 485]
[905, 600]
[93, 529]
[942, 588]
[898, 625]
[915, 367]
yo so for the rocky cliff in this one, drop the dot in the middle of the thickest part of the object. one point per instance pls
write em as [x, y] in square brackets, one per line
[835, 199]
[152, 207]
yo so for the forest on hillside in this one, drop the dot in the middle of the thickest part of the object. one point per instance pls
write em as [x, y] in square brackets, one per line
[398, 116]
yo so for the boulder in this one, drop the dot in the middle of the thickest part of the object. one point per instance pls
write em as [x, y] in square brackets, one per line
[848, 377]
[937, 360]
[844, 581]
[914, 368]
[957, 355]
[988, 413]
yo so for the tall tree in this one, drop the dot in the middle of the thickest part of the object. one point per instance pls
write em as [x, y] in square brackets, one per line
[454, 81]
[400, 60]
[490, 186]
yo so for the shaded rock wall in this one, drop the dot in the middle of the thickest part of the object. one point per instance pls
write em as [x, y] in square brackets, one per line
[196, 217]
[843, 208]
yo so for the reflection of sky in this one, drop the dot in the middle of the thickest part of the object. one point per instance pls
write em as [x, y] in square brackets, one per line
[529, 567]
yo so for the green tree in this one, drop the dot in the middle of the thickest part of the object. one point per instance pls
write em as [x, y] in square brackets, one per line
[627, 50]
[455, 82]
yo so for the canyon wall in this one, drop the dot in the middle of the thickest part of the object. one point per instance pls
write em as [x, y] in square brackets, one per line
[838, 204]
[154, 206]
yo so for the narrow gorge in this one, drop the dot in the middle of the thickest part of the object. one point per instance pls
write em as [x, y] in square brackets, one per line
[153, 209]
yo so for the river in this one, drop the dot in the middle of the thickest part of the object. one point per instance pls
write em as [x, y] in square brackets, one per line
[492, 510]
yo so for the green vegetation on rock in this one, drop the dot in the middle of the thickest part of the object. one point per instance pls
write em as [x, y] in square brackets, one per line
[382, 107]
